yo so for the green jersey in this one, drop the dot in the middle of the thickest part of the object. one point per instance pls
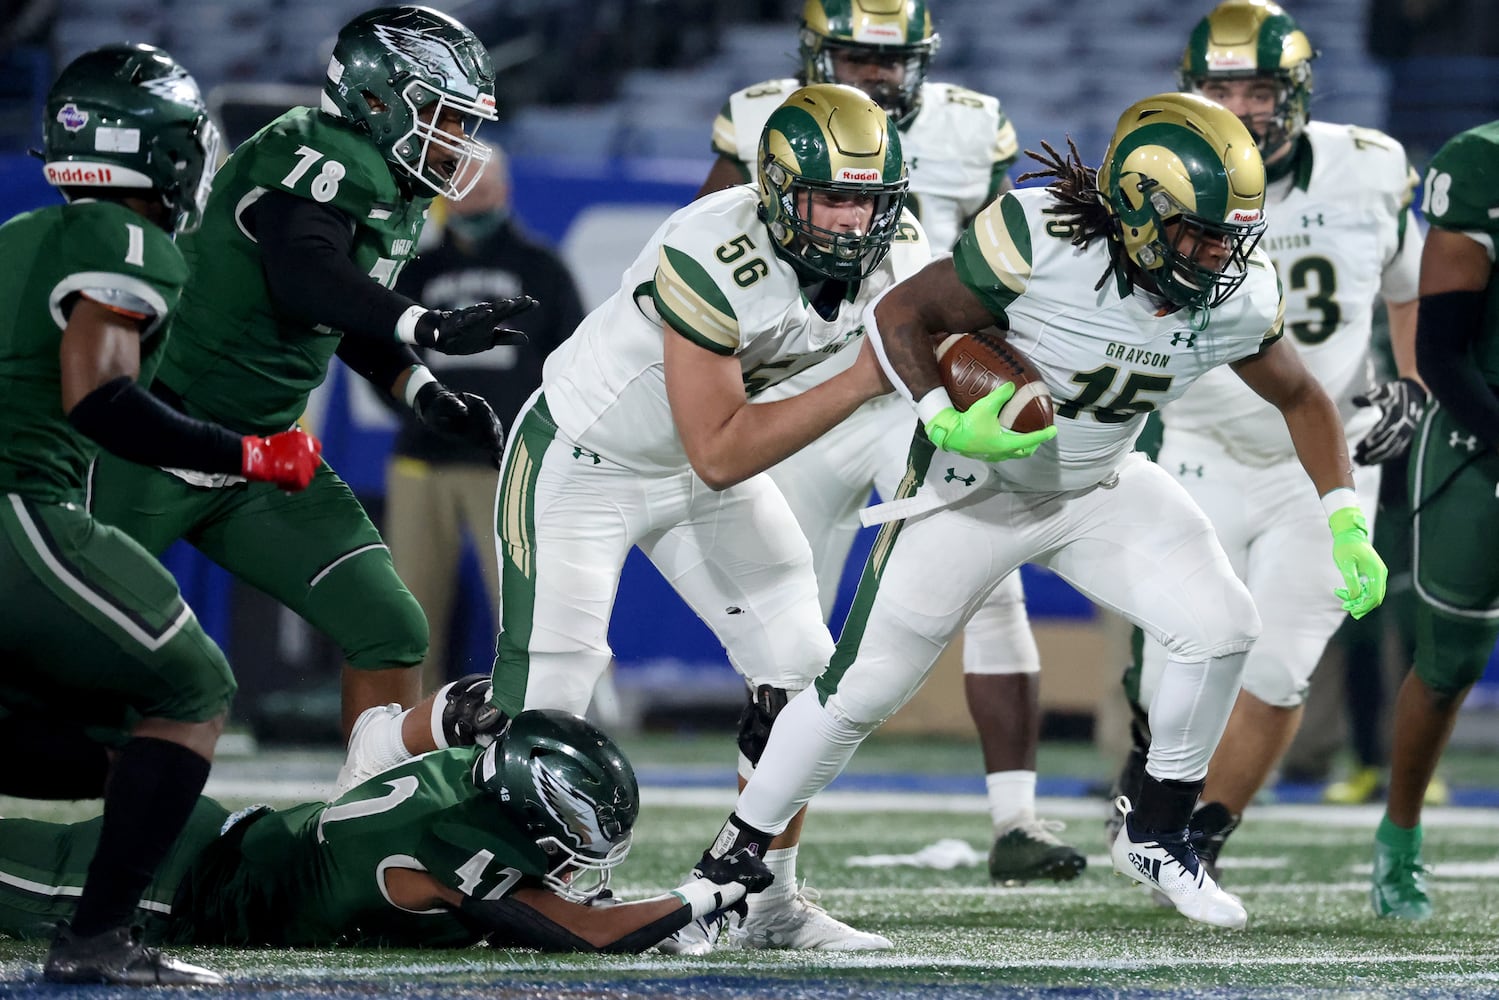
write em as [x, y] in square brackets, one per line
[314, 874]
[1462, 194]
[98, 248]
[234, 357]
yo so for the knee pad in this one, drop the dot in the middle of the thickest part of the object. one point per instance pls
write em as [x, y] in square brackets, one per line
[365, 608]
[1451, 654]
[760, 711]
[997, 639]
[466, 717]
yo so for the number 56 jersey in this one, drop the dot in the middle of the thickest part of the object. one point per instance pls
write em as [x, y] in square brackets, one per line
[711, 272]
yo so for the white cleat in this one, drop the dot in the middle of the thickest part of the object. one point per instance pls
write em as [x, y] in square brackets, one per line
[1168, 863]
[798, 922]
[697, 938]
[364, 760]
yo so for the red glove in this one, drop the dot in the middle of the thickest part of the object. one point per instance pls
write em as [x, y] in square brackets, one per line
[288, 459]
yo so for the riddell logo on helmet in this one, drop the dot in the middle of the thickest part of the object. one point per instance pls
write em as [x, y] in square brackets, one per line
[1239, 215]
[861, 175]
[880, 33]
[1229, 60]
[79, 175]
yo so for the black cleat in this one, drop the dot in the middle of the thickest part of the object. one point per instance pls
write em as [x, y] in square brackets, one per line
[117, 958]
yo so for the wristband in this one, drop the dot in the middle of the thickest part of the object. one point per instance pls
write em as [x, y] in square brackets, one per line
[702, 896]
[1335, 500]
[932, 404]
[421, 376]
[406, 325]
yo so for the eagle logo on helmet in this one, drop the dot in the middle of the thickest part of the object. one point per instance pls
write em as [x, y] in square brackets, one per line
[175, 86]
[574, 810]
[433, 55]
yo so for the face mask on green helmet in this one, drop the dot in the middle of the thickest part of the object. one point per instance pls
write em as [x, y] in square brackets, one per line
[828, 139]
[128, 117]
[895, 33]
[572, 790]
[1255, 40]
[419, 84]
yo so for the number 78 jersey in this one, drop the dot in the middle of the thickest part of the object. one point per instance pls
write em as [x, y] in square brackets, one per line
[234, 357]
[1108, 355]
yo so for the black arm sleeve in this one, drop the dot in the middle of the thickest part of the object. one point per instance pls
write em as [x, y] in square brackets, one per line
[128, 421]
[378, 361]
[306, 255]
[511, 923]
[1446, 327]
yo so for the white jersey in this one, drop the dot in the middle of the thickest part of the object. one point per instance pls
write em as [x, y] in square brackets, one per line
[1107, 357]
[710, 272]
[1341, 235]
[956, 149]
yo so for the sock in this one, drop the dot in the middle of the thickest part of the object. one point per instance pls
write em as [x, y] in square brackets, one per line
[1012, 798]
[808, 747]
[1165, 804]
[1189, 712]
[383, 743]
[152, 791]
[782, 862]
[1398, 838]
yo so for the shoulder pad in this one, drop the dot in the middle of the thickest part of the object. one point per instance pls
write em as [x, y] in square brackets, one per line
[308, 154]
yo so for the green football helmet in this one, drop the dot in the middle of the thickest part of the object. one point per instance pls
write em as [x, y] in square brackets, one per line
[396, 72]
[1182, 169]
[1245, 39]
[830, 138]
[895, 30]
[128, 116]
[572, 790]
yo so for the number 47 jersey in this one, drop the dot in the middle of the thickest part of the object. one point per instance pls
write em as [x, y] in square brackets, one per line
[711, 272]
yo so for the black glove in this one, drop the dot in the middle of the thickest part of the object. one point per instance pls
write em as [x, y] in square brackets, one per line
[467, 417]
[474, 329]
[738, 866]
[1401, 403]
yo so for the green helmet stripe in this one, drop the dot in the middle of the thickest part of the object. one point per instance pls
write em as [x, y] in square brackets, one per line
[1199, 157]
[1197, 48]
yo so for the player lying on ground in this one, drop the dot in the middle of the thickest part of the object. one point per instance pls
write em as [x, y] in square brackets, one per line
[512, 845]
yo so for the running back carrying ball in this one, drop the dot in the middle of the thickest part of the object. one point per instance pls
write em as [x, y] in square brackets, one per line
[975, 364]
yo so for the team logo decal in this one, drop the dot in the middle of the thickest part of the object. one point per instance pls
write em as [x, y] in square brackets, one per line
[71, 117]
[577, 812]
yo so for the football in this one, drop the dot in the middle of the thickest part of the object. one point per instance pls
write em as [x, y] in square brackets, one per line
[975, 364]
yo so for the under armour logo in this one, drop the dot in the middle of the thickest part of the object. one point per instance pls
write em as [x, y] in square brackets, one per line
[1306, 220]
[952, 476]
[733, 609]
[1149, 867]
[580, 452]
[1185, 468]
[1179, 338]
[1468, 443]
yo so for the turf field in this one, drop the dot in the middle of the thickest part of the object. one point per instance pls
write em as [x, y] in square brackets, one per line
[1302, 871]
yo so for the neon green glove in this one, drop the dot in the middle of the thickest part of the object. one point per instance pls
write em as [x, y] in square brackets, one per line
[976, 432]
[1363, 571]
